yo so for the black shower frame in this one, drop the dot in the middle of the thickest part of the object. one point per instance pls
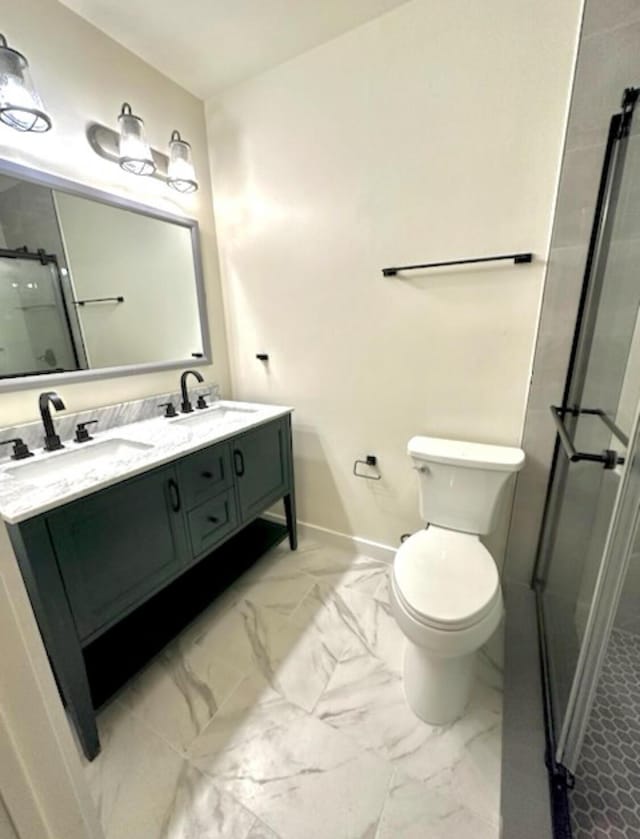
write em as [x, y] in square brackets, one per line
[45, 259]
[560, 779]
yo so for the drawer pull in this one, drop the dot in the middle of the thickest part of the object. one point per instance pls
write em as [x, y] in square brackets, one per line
[174, 492]
[238, 462]
[207, 474]
[213, 519]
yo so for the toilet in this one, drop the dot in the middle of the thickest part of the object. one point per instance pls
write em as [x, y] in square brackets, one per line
[445, 588]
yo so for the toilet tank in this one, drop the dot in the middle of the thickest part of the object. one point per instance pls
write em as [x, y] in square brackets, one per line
[461, 483]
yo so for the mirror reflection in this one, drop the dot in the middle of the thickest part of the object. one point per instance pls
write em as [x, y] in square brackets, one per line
[87, 285]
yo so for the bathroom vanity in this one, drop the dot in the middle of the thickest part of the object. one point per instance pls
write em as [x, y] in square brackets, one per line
[115, 529]
[101, 528]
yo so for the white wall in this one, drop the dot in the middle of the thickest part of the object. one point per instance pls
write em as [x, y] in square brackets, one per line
[431, 133]
[84, 76]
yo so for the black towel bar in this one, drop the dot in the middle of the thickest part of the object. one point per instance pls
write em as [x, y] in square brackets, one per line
[118, 299]
[518, 259]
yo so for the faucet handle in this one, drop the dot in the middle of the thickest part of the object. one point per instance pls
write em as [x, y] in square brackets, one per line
[82, 435]
[20, 448]
[170, 409]
[202, 401]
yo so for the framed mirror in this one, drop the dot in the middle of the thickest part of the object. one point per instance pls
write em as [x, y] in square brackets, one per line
[93, 285]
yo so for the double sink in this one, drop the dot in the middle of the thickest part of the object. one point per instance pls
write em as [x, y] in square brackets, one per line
[69, 462]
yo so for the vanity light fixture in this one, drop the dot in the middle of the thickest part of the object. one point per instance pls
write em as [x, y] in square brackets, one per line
[135, 153]
[181, 175]
[20, 104]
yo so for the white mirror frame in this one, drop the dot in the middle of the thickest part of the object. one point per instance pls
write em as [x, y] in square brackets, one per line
[35, 176]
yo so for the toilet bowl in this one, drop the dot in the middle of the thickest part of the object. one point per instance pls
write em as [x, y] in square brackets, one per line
[446, 599]
[445, 588]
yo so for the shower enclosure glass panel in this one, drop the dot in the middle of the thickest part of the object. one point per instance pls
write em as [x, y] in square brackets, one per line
[35, 334]
[600, 402]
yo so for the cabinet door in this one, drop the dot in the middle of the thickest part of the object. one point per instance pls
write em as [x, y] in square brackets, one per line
[260, 463]
[119, 546]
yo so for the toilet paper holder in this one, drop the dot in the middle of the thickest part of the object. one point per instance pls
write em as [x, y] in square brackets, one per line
[371, 461]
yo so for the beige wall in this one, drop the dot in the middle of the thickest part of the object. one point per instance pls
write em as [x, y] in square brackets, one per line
[433, 132]
[7, 830]
[83, 76]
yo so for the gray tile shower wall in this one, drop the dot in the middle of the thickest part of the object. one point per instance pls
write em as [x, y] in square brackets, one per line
[608, 61]
[110, 416]
[628, 614]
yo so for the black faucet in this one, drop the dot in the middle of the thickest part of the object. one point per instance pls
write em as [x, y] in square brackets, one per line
[51, 439]
[187, 407]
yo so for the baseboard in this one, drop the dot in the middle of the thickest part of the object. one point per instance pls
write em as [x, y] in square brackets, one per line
[376, 550]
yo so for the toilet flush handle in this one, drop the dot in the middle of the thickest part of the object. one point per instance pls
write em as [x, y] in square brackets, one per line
[420, 468]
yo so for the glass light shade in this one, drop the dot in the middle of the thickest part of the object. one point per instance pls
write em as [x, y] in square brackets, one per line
[20, 104]
[135, 154]
[181, 175]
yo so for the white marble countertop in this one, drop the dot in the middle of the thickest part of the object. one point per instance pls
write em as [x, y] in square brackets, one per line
[22, 497]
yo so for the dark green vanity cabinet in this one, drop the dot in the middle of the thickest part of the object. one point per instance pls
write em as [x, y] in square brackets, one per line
[261, 468]
[89, 563]
[117, 547]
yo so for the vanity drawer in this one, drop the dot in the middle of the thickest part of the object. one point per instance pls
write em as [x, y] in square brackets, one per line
[210, 522]
[205, 474]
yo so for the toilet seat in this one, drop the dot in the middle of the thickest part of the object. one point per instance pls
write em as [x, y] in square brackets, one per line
[446, 579]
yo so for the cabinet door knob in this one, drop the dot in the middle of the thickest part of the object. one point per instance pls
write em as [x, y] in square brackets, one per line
[213, 519]
[207, 474]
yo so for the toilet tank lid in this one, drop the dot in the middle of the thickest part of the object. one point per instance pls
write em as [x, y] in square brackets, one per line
[469, 455]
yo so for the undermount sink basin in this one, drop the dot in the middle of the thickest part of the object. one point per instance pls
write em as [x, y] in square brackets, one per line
[70, 460]
[216, 415]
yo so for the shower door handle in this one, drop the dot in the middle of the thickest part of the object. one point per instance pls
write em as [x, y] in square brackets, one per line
[609, 458]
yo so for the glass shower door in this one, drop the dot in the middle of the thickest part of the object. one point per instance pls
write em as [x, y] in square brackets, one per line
[35, 335]
[591, 457]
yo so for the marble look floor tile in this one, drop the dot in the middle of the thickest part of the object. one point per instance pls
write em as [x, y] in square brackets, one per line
[261, 831]
[200, 810]
[297, 656]
[413, 811]
[281, 592]
[210, 617]
[303, 654]
[338, 567]
[382, 592]
[143, 788]
[179, 692]
[282, 560]
[365, 622]
[300, 776]
[366, 701]
[285, 708]
[243, 636]
[344, 569]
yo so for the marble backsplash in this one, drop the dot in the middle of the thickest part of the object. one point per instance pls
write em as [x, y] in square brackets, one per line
[109, 416]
